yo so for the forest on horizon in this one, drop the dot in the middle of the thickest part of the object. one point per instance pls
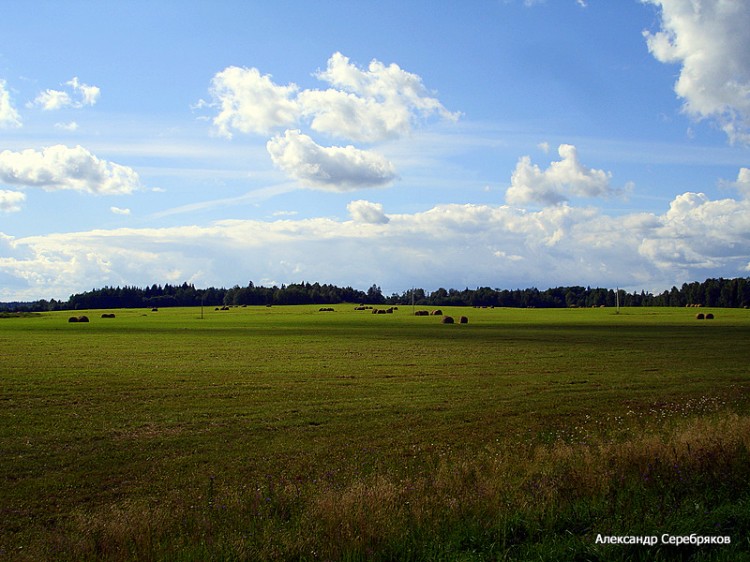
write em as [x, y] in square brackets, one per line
[724, 293]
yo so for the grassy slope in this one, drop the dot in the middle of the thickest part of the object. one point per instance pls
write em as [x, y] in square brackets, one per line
[157, 419]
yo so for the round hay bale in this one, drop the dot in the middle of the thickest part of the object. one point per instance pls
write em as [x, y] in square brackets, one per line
[73, 319]
[463, 320]
[421, 313]
[700, 316]
[83, 318]
[709, 316]
[154, 309]
[447, 320]
[108, 315]
[437, 312]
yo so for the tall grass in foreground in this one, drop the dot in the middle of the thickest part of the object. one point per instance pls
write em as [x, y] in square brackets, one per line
[506, 502]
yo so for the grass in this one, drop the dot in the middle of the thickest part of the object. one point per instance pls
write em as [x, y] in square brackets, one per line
[288, 434]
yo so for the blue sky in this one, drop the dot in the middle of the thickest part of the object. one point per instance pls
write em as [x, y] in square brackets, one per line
[503, 143]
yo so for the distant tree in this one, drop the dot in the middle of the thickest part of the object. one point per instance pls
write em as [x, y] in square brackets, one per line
[375, 295]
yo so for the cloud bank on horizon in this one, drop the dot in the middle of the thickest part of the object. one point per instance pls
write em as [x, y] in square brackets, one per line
[369, 160]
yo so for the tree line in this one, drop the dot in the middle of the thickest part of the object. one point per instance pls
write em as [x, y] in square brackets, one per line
[728, 293]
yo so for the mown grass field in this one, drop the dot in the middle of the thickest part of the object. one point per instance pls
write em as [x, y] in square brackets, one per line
[287, 433]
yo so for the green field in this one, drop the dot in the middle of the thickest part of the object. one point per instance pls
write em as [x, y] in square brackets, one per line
[286, 433]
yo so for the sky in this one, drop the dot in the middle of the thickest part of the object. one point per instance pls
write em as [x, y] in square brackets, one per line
[499, 143]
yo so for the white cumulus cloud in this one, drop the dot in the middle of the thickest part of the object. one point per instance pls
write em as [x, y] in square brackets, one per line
[743, 182]
[50, 100]
[563, 179]
[366, 212]
[120, 211]
[61, 167]
[709, 39]
[447, 245]
[10, 201]
[369, 105]
[333, 168]
[8, 115]
[698, 234]
[251, 103]
[82, 95]
[362, 105]
[89, 95]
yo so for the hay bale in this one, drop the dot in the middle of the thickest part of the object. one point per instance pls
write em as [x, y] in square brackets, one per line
[463, 320]
[447, 320]
[700, 316]
[83, 318]
[421, 313]
[709, 316]
[108, 315]
[437, 312]
[154, 309]
[73, 319]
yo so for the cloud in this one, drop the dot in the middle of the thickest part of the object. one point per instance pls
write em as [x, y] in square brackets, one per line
[50, 100]
[363, 105]
[60, 167]
[89, 94]
[120, 211]
[8, 115]
[71, 126]
[447, 245]
[251, 102]
[333, 168]
[366, 212]
[709, 39]
[743, 182]
[370, 105]
[555, 185]
[697, 234]
[10, 201]
[379, 103]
